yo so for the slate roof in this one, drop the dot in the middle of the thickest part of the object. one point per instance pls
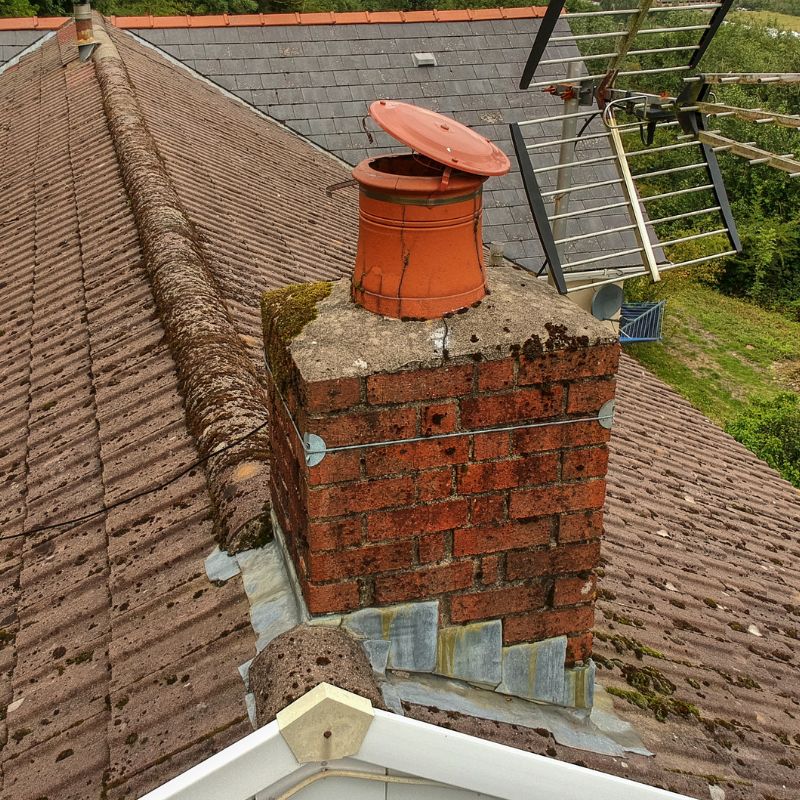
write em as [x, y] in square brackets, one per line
[12, 43]
[320, 79]
[117, 657]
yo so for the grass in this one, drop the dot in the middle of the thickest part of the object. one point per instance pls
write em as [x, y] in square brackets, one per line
[789, 22]
[719, 352]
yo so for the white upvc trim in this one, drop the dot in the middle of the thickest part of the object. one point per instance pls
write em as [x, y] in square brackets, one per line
[262, 759]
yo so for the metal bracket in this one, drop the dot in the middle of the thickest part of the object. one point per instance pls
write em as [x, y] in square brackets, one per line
[606, 414]
[315, 448]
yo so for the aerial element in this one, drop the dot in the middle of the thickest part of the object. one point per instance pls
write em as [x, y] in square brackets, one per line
[644, 100]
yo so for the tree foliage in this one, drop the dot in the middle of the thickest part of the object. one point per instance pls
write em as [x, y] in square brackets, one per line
[771, 429]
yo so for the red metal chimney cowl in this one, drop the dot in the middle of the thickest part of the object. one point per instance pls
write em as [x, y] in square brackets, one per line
[420, 243]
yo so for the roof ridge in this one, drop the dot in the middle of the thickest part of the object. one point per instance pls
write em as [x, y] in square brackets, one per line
[223, 394]
[307, 18]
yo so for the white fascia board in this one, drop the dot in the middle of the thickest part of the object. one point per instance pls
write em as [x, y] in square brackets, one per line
[262, 759]
[238, 772]
[457, 759]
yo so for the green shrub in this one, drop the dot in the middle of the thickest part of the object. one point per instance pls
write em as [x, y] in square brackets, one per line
[771, 429]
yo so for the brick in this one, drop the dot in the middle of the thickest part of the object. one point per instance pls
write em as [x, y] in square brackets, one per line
[490, 508]
[497, 538]
[433, 547]
[579, 648]
[568, 365]
[573, 591]
[495, 603]
[527, 471]
[428, 384]
[336, 468]
[556, 561]
[589, 396]
[575, 434]
[335, 535]
[547, 624]
[491, 445]
[494, 376]
[367, 560]
[363, 427]
[581, 526]
[439, 418]
[424, 584]
[434, 484]
[510, 407]
[489, 570]
[334, 501]
[406, 522]
[415, 456]
[333, 395]
[557, 499]
[591, 462]
[331, 598]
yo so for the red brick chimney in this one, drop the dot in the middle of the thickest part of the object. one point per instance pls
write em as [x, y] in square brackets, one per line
[458, 460]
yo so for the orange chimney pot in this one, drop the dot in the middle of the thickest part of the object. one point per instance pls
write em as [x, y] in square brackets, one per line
[420, 244]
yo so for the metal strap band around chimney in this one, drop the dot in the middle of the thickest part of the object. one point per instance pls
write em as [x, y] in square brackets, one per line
[316, 449]
[409, 200]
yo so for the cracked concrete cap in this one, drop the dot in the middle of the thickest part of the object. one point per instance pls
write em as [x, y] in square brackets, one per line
[521, 311]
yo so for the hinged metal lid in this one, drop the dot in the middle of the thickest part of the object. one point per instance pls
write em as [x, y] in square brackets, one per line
[440, 138]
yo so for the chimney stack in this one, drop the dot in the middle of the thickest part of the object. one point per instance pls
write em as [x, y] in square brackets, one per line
[439, 483]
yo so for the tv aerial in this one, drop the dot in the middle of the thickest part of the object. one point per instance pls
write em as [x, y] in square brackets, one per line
[641, 97]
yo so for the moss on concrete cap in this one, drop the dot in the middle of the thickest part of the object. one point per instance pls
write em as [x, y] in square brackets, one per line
[284, 314]
[522, 313]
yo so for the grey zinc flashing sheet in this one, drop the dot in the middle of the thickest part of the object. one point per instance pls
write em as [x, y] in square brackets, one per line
[320, 79]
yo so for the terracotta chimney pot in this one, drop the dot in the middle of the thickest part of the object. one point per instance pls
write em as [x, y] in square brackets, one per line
[420, 245]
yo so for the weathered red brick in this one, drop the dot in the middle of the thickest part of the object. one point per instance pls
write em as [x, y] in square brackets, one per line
[489, 570]
[568, 365]
[336, 468]
[489, 508]
[527, 471]
[367, 560]
[554, 561]
[334, 535]
[510, 407]
[334, 501]
[415, 456]
[406, 522]
[574, 434]
[579, 648]
[495, 603]
[557, 499]
[439, 418]
[507, 536]
[363, 427]
[547, 624]
[494, 376]
[589, 396]
[434, 484]
[433, 547]
[331, 598]
[333, 395]
[591, 462]
[580, 526]
[491, 445]
[572, 591]
[424, 584]
[427, 384]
